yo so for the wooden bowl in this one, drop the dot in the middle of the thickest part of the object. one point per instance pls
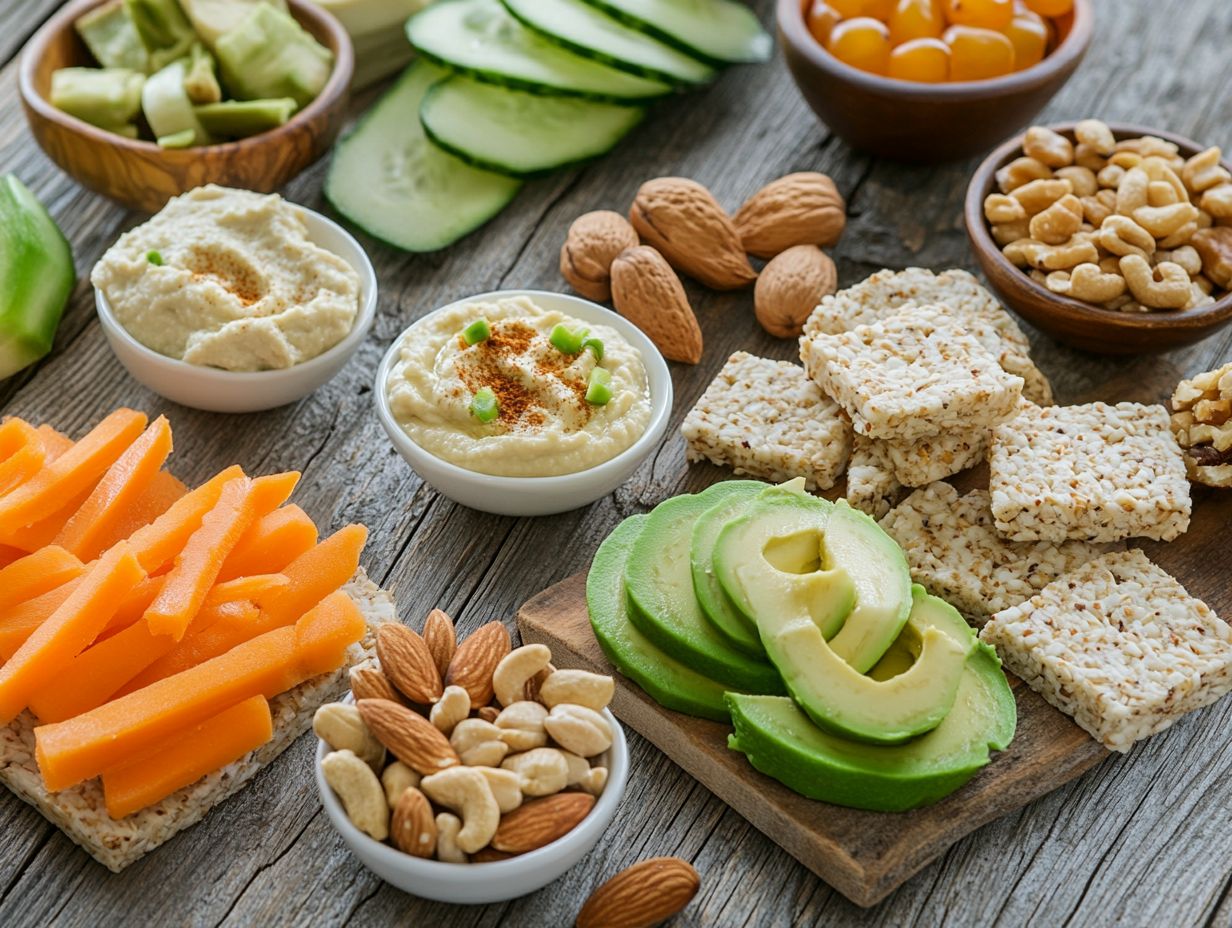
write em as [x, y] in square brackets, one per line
[924, 123]
[143, 176]
[1074, 322]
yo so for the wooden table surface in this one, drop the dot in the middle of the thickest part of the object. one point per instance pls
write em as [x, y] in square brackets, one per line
[1141, 840]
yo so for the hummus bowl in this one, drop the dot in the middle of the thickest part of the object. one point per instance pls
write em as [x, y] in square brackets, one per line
[215, 390]
[532, 495]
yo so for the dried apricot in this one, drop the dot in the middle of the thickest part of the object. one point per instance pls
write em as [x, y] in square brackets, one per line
[984, 14]
[863, 43]
[1050, 8]
[850, 9]
[916, 19]
[1029, 34]
[821, 18]
[924, 60]
[978, 54]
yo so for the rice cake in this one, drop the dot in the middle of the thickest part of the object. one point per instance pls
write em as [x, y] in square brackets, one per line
[1095, 472]
[955, 552]
[1119, 645]
[767, 419]
[871, 485]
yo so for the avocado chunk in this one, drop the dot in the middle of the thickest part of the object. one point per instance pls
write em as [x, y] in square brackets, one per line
[105, 97]
[163, 29]
[211, 18]
[663, 607]
[111, 37]
[242, 118]
[777, 563]
[668, 682]
[268, 54]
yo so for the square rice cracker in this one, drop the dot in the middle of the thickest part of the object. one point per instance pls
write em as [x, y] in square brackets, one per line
[927, 460]
[80, 811]
[955, 552]
[1119, 645]
[767, 419]
[1094, 472]
[914, 374]
[871, 485]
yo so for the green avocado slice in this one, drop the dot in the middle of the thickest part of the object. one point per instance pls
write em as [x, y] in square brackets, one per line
[668, 682]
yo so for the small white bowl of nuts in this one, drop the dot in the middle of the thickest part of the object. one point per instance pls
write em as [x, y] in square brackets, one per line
[450, 756]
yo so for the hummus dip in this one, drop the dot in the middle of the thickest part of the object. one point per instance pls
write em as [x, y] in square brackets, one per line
[228, 278]
[545, 426]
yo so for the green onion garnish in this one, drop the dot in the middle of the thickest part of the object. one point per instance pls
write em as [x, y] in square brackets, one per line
[478, 331]
[484, 405]
[595, 345]
[566, 340]
[154, 258]
[599, 390]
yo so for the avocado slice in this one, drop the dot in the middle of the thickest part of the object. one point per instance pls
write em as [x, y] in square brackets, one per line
[663, 607]
[668, 682]
[776, 563]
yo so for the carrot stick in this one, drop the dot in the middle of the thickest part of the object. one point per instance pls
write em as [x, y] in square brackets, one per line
[68, 630]
[272, 543]
[42, 533]
[77, 469]
[158, 496]
[83, 747]
[15, 434]
[10, 555]
[160, 541]
[21, 453]
[133, 606]
[211, 745]
[35, 574]
[254, 589]
[18, 623]
[85, 533]
[54, 443]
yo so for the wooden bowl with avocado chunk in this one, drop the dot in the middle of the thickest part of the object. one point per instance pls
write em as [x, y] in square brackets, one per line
[143, 175]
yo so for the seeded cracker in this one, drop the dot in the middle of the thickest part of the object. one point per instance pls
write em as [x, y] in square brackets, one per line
[1119, 645]
[871, 485]
[955, 552]
[767, 419]
[914, 374]
[1093, 472]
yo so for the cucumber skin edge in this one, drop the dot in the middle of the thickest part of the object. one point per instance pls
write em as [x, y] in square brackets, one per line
[667, 38]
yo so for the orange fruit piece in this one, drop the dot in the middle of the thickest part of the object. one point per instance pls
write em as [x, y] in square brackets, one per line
[926, 61]
[863, 43]
[916, 19]
[1029, 34]
[821, 18]
[983, 14]
[1050, 8]
[978, 54]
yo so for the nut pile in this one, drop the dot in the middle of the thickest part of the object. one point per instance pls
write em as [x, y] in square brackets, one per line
[1202, 423]
[1128, 225]
[676, 225]
[466, 752]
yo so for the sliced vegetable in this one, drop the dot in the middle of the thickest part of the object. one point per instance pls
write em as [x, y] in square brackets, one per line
[211, 18]
[478, 331]
[21, 453]
[595, 345]
[18, 623]
[103, 97]
[169, 111]
[36, 574]
[201, 77]
[255, 588]
[160, 541]
[717, 32]
[271, 544]
[268, 54]
[242, 118]
[40, 534]
[567, 340]
[159, 495]
[599, 389]
[163, 29]
[484, 405]
[154, 258]
[112, 38]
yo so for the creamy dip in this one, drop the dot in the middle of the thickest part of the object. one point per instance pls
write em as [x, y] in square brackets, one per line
[545, 425]
[229, 278]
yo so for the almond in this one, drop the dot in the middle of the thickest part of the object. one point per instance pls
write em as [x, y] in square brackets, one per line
[541, 821]
[487, 855]
[799, 209]
[441, 639]
[489, 713]
[649, 892]
[368, 682]
[408, 735]
[647, 292]
[593, 242]
[413, 827]
[685, 223]
[790, 287]
[476, 659]
[407, 662]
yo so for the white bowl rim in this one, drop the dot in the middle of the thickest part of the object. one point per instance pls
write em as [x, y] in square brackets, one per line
[335, 355]
[660, 405]
[609, 799]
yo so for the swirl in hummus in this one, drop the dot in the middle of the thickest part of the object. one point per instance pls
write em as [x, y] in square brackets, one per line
[545, 426]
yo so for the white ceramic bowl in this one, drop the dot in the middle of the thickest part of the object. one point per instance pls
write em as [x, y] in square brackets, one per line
[216, 390]
[497, 881]
[539, 496]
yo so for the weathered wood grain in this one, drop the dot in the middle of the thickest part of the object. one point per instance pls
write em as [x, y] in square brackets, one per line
[1143, 840]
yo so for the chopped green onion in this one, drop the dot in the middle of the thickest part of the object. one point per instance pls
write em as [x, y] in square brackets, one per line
[566, 340]
[595, 345]
[154, 258]
[599, 391]
[478, 331]
[484, 405]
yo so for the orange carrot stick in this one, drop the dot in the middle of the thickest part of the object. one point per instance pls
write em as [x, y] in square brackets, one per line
[68, 631]
[54, 443]
[84, 534]
[21, 453]
[77, 469]
[271, 544]
[254, 589]
[35, 574]
[211, 745]
[159, 542]
[31, 538]
[15, 434]
[159, 495]
[18, 623]
[83, 747]
[9, 555]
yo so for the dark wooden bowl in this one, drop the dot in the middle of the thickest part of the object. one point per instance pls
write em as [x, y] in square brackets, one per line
[143, 176]
[1082, 325]
[924, 123]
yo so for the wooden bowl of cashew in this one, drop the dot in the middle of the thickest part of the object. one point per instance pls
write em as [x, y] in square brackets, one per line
[1082, 324]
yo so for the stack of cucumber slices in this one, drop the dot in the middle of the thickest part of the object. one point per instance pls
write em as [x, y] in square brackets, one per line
[796, 619]
[511, 89]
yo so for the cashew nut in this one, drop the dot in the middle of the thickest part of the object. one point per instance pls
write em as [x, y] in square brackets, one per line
[1021, 171]
[342, 727]
[594, 781]
[1160, 193]
[1086, 156]
[1096, 135]
[1132, 191]
[478, 743]
[506, 787]
[1097, 208]
[1016, 251]
[515, 669]
[1122, 236]
[1163, 221]
[578, 767]
[1203, 171]
[1059, 222]
[1148, 145]
[542, 772]
[465, 791]
[1004, 233]
[1186, 256]
[447, 828]
[1082, 179]
[1048, 147]
[579, 687]
[1087, 282]
[453, 706]
[1164, 287]
[1001, 208]
[1038, 195]
[521, 725]
[1078, 250]
[396, 779]
[1125, 160]
[1218, 201]
[1181, 236]
[579, 729]
[359, 791]
[1110, 176]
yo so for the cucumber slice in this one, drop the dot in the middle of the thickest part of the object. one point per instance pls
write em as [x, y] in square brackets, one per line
[518, 133]
[480, 38]
[167, 107]
[591, 33]
[391, 181]
[717, 32]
